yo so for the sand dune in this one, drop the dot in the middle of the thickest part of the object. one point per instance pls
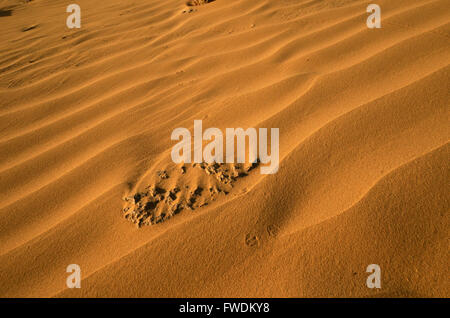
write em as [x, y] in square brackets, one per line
[86, 117]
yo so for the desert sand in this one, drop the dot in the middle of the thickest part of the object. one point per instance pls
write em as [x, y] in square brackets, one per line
[86, 117]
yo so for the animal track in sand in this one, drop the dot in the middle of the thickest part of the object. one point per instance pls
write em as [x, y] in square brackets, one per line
[159, 202]
[251, 240]
[273, 230]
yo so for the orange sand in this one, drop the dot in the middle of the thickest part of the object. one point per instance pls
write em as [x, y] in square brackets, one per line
[86, 117]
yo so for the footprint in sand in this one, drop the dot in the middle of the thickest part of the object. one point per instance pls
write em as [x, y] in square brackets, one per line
[168, 196]
[194, 3]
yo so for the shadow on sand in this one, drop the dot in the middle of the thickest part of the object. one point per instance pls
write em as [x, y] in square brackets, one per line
[5, 13]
